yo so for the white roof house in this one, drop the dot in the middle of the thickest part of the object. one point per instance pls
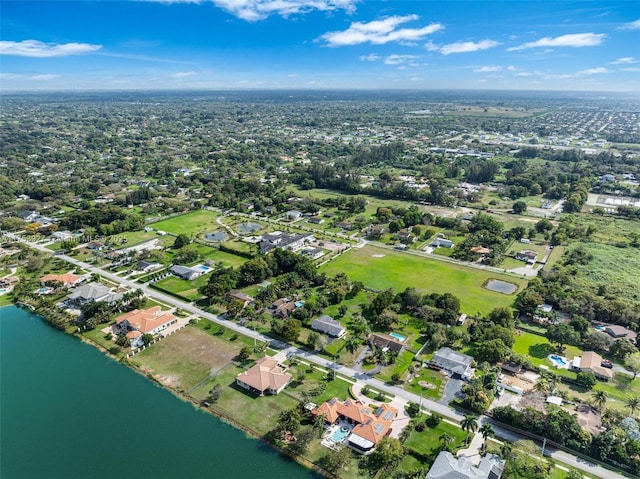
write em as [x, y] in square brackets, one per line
[447, 466]
[328, 325]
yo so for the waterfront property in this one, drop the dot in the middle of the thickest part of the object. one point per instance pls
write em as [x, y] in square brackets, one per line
[67, 279]
[92, 292]
[266, 376]
[358, 426]
[148, 321]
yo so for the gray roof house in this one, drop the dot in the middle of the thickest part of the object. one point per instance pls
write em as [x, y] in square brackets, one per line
[278, 239]
[93, 292]
[328, 325]
[441, 243]
[185, 272]
[457, 364]
[447, 466]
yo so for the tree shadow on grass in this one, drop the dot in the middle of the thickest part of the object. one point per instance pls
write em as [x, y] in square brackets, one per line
[541, 350]
[622, 382]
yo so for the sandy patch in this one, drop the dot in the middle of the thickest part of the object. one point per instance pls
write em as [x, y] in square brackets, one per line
[378, 255]
[168, 380]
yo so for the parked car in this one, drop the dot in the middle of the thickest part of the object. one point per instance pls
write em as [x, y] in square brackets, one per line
[606, 364]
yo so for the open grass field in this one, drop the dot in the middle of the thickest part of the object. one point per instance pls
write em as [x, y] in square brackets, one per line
[614, 268]
[186, 357]
[425, 375]
[189, 224]
[427, 442]
[382, 268]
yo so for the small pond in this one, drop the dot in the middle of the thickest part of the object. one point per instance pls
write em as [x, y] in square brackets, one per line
[501, 286]
[247, 228]
[216, 236]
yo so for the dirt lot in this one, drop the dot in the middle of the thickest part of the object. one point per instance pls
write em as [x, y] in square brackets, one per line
[186, 357]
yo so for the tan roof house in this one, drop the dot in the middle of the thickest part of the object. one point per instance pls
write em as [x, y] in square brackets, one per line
[146, 321]
[592, 361]
[370, 426]
[266, 376]
[67, 279]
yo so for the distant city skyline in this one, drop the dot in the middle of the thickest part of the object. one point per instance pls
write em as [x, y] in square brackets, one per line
[319, 44]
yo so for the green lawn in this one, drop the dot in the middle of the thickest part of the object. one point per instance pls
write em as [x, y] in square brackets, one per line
[538, 348]
[381, 268]
[436, 378]
[190, 224]
[427, 442]
[182, 287]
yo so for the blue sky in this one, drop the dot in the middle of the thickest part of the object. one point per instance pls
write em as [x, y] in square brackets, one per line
[281, 44]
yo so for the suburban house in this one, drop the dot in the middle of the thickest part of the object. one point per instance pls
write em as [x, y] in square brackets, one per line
[386, 342]
[185, 272]
[370, 426]
[294, 214]
[592, 361]
[542, 313]
[316, 220]
[480, 250]
[441, 243]
[146, 266]
[9, 282]
[527, 256]
[240, 297]
[328, 325]
[266, 376]
[145, 321]
[67, 279]
[95, 245]
[447, 466]
[28, 215]
[63, 235]
[93, 292]
[617, 332]
[278, 239]
[456, 364]
[282, 308]
[313, 253]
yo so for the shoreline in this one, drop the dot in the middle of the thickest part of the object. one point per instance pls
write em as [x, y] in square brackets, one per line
[182, 396]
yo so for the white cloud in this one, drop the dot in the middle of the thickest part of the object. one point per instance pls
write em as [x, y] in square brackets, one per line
[182, 74]
[37, 49]
[582, 73]
[524, 74]
[631, 25]
[571, 40]
[371, 57]
[462, 47]
[254, 10]
[488, 69]
[380, 32]
[398, 59]
[624, 61]
[21, 76]
[511, 68]
[631, 69]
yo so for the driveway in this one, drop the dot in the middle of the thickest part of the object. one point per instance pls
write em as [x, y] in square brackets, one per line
[453, 390]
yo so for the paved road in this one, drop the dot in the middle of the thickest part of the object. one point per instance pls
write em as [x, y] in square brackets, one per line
[360, 377]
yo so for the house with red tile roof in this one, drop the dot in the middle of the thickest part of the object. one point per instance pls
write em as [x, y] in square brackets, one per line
[68, 279]
[146, 321]
[267, 376]
[369, 425]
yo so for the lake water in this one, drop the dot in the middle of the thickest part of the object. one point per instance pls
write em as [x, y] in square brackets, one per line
[501, 286]
[67, 411]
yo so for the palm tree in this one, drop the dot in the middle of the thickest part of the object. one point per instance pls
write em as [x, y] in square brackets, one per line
[469, 424]
[633, 404]
[485, 430]
[446, 441]
[505, 450]
[542, 386]
[352, 344]
[599, 398]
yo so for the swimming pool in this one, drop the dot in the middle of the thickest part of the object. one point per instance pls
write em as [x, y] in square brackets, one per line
[3, 290]
[599, 328]
[340, 435]
[202, 267]
[399, 337]
[299, 304]
[559, 361]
